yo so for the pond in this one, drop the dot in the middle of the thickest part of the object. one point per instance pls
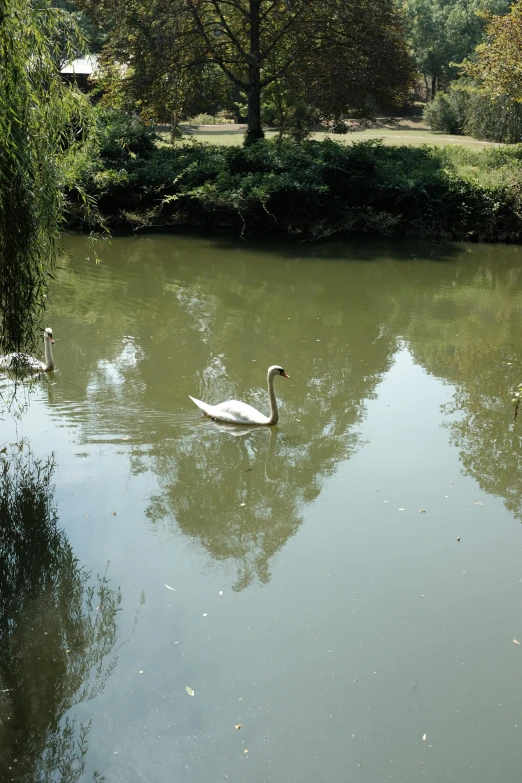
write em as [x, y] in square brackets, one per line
[346, 587]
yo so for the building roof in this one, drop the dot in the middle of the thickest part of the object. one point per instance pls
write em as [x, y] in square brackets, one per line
[84, 66]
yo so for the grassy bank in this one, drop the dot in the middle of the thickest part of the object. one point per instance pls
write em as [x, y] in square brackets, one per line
[410, 131]
[312, 190]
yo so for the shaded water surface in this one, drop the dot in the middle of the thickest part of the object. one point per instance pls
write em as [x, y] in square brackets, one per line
[304, 581]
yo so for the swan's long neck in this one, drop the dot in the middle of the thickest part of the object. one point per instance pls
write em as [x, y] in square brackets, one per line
[274, 413]
[48, 349]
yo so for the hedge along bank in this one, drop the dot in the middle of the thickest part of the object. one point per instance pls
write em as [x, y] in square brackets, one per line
[309, 190]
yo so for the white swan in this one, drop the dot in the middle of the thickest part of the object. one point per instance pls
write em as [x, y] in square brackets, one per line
[22, 362]
[235, 412]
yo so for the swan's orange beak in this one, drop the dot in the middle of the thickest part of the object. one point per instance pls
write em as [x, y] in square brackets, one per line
[285, 375]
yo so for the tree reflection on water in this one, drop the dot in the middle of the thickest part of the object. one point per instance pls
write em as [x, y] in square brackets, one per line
[56, 630]
[245, 506]
[165, 317]
[468, 335]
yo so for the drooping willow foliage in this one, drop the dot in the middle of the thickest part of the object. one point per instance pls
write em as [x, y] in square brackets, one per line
[41, 117]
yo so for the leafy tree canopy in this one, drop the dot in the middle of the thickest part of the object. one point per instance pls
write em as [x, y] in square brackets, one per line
[442, 32]
[498, 59]
[93, 35]
[341, 55]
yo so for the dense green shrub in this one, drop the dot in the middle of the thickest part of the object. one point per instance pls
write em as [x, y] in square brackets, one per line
[209, 119]
[122, 135]
[464, 109]
[440, 115]
[448, 111]
[315, 189]
[494, 120]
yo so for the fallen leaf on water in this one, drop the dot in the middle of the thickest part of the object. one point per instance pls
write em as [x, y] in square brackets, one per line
[169, 587]
[424, 736]
[189, 690]
[238, 726]
[478, 502]
[516, 641]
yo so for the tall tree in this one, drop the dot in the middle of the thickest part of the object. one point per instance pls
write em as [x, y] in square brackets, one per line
[39, 117]
[498, 59]
[257, 42]
[442, 32]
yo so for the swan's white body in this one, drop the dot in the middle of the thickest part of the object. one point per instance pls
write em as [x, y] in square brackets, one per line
[236, 412]
[23, 362]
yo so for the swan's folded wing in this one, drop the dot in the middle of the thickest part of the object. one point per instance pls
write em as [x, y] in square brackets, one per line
[232, 412]
[21, 362]
[237, 412]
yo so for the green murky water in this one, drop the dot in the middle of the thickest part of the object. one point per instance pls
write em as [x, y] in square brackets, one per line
[305, 581]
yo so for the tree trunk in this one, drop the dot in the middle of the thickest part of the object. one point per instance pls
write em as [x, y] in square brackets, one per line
[427, 86]
[433, 87]
[174, 122]
[254, 130]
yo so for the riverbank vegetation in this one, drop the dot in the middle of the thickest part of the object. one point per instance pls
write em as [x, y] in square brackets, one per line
[296, 70]
[308, 190]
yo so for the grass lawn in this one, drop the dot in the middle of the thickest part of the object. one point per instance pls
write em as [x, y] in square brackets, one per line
[411, 132]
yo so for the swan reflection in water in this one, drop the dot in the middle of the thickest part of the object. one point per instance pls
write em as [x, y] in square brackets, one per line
[237, 491]
[242, 432]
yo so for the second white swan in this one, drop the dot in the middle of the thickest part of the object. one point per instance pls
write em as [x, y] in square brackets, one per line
[23, 362]
[236, 412]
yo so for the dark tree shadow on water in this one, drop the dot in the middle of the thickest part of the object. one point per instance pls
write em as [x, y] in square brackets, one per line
[57, 630]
